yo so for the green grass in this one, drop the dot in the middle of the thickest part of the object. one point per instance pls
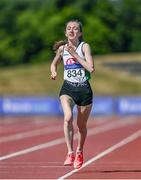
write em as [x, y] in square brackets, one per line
[35, 79]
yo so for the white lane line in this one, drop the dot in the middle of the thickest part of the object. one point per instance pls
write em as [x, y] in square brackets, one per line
[123, 142]
[91, 131]
[34, 148]
[32, 133]
[113, 125]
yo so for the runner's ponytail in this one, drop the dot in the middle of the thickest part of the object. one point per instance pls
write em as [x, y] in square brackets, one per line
[57, 44]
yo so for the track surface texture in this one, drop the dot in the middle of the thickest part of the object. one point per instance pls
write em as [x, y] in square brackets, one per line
[34, 148]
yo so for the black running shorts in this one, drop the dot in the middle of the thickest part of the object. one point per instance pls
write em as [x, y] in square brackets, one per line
[81, 93]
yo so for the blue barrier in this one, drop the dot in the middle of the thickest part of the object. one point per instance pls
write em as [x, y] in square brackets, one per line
[1, 106]
[31, 106]
[128, 105]
[103, 105]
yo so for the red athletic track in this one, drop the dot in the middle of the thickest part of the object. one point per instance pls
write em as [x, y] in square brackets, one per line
[34, 148]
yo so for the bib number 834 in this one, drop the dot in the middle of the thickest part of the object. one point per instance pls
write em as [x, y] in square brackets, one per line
[74, 73]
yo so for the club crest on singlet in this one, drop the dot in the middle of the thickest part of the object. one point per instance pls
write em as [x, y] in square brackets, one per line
[73, 70]
[72, 63]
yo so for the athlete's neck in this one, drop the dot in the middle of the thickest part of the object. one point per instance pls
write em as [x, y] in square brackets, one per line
[73, 43]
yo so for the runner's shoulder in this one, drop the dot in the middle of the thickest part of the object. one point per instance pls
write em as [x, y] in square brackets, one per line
[61, 49]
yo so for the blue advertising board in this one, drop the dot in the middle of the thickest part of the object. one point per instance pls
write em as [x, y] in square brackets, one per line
[1, 106]
[31, 106]
[128, 105]
[102, 105]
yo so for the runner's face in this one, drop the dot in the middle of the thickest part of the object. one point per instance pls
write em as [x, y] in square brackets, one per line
[73, 31]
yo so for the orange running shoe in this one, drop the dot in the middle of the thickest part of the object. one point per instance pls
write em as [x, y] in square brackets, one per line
[78, 160]
[69, 159]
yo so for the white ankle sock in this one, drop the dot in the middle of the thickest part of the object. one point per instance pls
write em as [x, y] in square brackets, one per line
[70, 152]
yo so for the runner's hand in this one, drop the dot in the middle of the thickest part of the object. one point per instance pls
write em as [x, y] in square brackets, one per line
[53, 75]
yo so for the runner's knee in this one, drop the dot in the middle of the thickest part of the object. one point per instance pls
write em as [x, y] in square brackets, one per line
[68, 118]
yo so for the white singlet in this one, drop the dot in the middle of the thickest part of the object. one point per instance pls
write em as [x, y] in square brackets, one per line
[73, 70]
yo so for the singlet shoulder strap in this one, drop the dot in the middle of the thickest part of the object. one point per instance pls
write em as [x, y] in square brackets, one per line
[80, 46]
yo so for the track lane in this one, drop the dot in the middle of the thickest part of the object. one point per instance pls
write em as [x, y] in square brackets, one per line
[42, 141]
[21, 140]
[11, 126]
[121, 161]
[43, 164]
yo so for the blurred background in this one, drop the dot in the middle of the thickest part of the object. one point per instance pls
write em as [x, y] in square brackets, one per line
[28, 30]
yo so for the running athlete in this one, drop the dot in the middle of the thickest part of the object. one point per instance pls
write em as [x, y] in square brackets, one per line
[78, 65]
